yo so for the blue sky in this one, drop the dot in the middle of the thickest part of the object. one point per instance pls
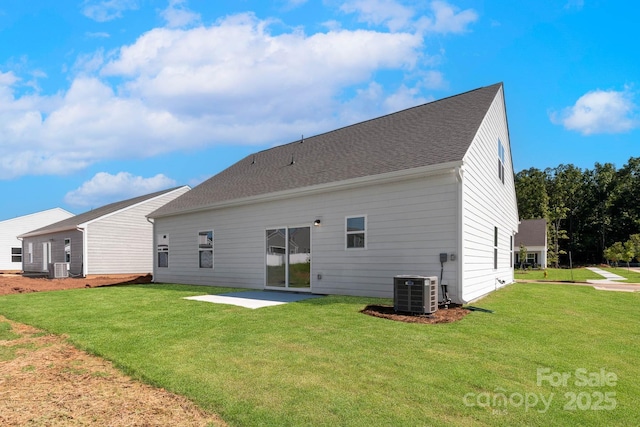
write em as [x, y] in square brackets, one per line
[102, 100]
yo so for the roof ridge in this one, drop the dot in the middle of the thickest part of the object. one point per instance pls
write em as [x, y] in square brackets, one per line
[429, 134]
[374, 118]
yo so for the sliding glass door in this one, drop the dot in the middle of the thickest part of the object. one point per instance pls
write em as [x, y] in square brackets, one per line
[288, 260]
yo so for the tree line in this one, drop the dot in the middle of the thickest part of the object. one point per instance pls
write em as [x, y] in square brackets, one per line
[587, 210]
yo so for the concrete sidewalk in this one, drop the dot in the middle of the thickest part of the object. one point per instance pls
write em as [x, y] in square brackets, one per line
[608, 276]
[611, 282]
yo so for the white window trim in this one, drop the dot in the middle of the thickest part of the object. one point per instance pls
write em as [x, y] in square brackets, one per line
[501, 164]
[164, 247]
[65, 249]
[365, 231]
[207, 249]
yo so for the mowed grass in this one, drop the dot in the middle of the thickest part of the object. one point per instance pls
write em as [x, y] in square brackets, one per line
[579, 274]
[322, 362]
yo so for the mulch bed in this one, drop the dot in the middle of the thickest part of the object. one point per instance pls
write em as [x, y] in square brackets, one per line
[443, 315]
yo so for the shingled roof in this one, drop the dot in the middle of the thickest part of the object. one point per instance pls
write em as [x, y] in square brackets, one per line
[430, 134]
[77, 220]
[531, 232]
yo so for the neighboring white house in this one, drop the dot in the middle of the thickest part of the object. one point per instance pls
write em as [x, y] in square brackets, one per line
[113, 239]
[345, 211]
[10, 229]
[532, 233]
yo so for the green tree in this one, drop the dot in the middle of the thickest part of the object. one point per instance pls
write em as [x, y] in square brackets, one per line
[614, 253]
[563, 187]
[628, 252]
[556, 234]
[600, 196]
[531, 192]
[626, 194]
[522, 255]
[635, 242]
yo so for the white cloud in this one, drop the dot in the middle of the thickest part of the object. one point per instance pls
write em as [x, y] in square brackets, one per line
[105, 188]
[98, 35]
[600, 111]
[404, 97]
[447, 19]
[7, 79]
[372, 100]
[107, 10]
[292, 4]
[177, 15]
[444, 18]
[574, 4]
[377, 12]
[435, 80]
[233, 82]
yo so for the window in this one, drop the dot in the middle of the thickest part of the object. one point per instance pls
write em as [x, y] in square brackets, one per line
[16, 254]
[495, 248]
[205, 249]
[163, 250]
[356, 232]
[31, 252]
[500, 161]
[67, 250]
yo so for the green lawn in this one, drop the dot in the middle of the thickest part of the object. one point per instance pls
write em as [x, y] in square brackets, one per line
[321, 362]
[580, 274]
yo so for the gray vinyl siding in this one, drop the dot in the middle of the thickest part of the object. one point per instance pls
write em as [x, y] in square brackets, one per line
[409, 223]
[56, 240]
[122, 243]
[487, 203]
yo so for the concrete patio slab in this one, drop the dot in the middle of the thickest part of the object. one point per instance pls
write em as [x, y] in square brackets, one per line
[254, 299]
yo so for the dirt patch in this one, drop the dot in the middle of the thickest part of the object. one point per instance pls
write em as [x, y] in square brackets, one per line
[46, 381]
[19, 284]
[443, 315]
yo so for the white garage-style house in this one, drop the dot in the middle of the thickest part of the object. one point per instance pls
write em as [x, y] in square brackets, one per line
[10, 229]
[425, 191]
[112, 239]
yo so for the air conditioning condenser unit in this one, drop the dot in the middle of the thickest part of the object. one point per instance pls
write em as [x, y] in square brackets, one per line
[58, 270]
[415, 294]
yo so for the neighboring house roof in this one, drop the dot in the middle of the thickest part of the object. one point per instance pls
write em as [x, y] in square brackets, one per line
[531, 232]
[44, 213]
[430, 134]
[78, 220]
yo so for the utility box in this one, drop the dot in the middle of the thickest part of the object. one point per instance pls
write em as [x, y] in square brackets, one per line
[415, 294]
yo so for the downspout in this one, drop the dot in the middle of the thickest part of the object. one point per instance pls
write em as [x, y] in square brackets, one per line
[22, 246]
[459, 174]
[153, 248]
[85, 251]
